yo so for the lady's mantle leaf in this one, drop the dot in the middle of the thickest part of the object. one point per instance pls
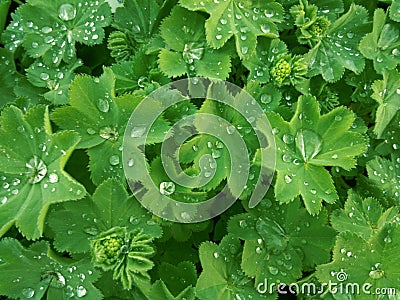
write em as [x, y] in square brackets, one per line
[76, 224]
[382, 45]
[338, 50]
[36, 271]
[280, 240]
[100, 118]
[8, 75]
[387, 94]
[365, 262]
[61, 24]
[176, 283]
[245, 20]
[385, 174]
[187, 51]
[31, 169]
[222, 278]
[308, 143]
[364, 217]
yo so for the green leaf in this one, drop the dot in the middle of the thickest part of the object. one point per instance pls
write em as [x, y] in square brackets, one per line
[385, 174]
[62, 23]
[57, 80]
[4, 6]
[187, 52]
[281, 240]
[382, 44]
[245, 20]
[32, 160]
[8, 75]
[394, 10]
[365, 262]
[387, 94]
[339, 49]
[140, 72]
[176, 282]
[307, 144]
[36, 271]
[138, 18]
[222, 278]
[75, 224]
[364, 217]
[100, 118]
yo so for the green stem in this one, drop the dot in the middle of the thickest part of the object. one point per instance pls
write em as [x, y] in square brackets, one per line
[19, 2]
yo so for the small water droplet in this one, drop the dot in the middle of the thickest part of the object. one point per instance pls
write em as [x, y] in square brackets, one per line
[216, 255]
[53, 178]
[131, 162]
[288, 138]
[273, 270]
[37, 169]
[90, 131]
[288, 179]
[44, 76]
[47, 29]
[243, 224]
[124, 249]
[266, 98]
[218, 36]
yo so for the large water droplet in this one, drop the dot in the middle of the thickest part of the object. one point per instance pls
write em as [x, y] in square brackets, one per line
[308, 143]
[167, 188]
[37, 170]
[114, 160]
[103, 105]
[53, 178]
[66, 12]
[28, 293]
[80, 291]
[138, 131]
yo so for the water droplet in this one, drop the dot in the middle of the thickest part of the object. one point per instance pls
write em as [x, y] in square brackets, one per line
[334, 156]
[53, 178]
[265, 28]
[273, 270]
[167, 188]
[103, 105]
[308, 143]
[138, 131]
[47, 29]
[95, 37]
[287, 157]
[245, 50]
[288, 138]
[266, 99]
[338, 118]
[312, 191]
[3, 200]
[288, 179]
[44, 76]
[230, 129]
[185, 216]
[376, 274]
[66, 12]
[124, 249]
[90, 131]
[80, 291]
[218, 36]
[395, 52]
[131, 162]
[114, 160]
[216, 255]
[91, 230]
[37, 170]
[242, 223]
[28, 293]
[223, 21]
[35, 45]
[387, 240]
[258, 250]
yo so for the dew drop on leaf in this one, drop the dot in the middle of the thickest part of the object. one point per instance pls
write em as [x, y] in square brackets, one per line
[66, 12]
[167, 188]
[90, 131]
[47, 29]
[138, 131]
[266, 99]
[28, 293]
[80, 291]
[53, 178]
[44, 76]
[131, 162]
[288, 138]
[37, 170]
[103, 105]
[273, 270]
[114, 160]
